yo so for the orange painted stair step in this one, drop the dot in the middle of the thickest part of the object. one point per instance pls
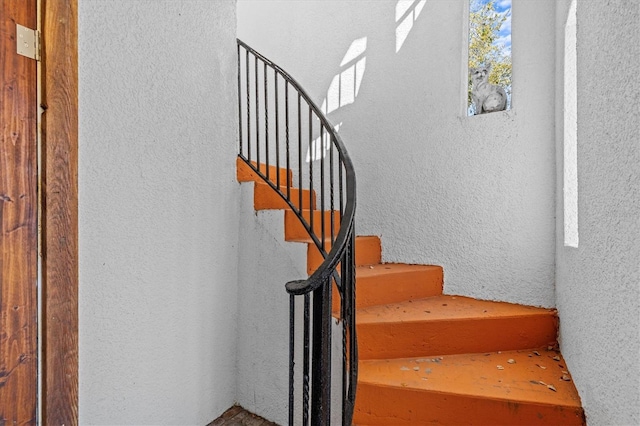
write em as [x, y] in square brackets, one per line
[265, 198]
[294, 230]
[428, 358]
[491, 388]
[451, 324]
[368, 252]
[244, 173]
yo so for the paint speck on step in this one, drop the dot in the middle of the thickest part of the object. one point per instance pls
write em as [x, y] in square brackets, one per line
[404, 368]
[534, 382]
[542, 383]
[511, 361]
[551, 387]
[428, 312]
[556, 358]
[427, 371]
[565, 378]
[416, 368]
[536, 353]
[500, 367]
[542, 366]
[404, 385]
[444, 304]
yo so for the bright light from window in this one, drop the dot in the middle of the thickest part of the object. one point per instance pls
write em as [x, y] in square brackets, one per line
[570, 192]
[489, 47]
[407, 12]
[343, 90]
[345, 85]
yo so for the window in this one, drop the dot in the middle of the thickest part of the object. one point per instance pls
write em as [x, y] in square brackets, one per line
[570, 170]
[489, 88]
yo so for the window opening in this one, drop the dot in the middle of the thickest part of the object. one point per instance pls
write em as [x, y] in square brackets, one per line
[489, 86]
[570, 170]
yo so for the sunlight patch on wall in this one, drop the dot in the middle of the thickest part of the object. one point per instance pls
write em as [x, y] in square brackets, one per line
[345, 85]
[320, 146]
[407, 12]
[570, 188]
[343, 90]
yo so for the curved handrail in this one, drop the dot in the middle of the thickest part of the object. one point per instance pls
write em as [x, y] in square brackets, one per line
[338, 265]
[328, 266]
[256, 96]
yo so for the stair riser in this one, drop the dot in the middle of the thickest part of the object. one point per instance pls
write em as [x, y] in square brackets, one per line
[399, 287]
[382, 405]
[265, 198]
[295, 231]
[244, 173]
[368, 252]
[415, 339]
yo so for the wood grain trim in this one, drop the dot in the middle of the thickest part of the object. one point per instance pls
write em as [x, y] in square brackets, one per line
[18, 220]
[60, 212]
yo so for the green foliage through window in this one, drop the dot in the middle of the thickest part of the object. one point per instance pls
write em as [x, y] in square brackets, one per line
[490, 42]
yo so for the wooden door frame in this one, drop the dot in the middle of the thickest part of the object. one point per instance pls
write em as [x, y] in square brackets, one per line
[59, 217]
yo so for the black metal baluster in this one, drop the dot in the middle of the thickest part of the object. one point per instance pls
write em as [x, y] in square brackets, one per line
[292, 334]
[246, 67]
[322, 232]
[257, 115]
[310, 172]
[321, 373]
[275, 82]
[331, 178]
[240, 150]
[353, 345]
[305, 361]
[299, 154]
[340, 164]
[286, 121]
[345, 364]
[266, 119]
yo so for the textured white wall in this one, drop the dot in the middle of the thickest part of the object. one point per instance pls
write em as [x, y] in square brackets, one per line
[268, 262]
[598, 283]
[158, 211]
[474, 194]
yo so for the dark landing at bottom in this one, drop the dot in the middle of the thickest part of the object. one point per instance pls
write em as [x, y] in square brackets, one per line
[238, 416]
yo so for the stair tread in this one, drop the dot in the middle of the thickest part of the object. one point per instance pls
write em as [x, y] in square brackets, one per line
[391, 268]
[479, 375]
[445, 307]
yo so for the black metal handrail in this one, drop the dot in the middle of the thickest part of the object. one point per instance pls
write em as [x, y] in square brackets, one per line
[270, 144]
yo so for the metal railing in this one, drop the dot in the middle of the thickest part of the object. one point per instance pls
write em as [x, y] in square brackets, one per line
[282, 129]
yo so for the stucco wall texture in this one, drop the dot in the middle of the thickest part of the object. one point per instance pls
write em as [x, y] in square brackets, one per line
[158, 209]
[598, 283]
[473, 194]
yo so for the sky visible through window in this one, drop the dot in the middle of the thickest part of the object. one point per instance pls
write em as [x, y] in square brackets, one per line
[503, 7]
[490, 44]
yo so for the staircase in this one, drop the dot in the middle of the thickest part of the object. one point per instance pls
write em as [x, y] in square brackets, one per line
[430, 358]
